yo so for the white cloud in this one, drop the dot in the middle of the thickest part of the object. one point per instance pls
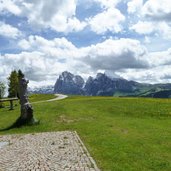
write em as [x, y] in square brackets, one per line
[116, 55]
[9, 6]
[157, 10]
[58, 48]
[9, 31]
[160, 58]
[144, 27]
[58, 15]
[165, 30]
[149, 27]
[135, 6]
[108, 20]
[24, 44]
[147, 40]
[42, 60]
[37, 66]
[160, 74]
[107, 3]
[155, 19]
[159, 70]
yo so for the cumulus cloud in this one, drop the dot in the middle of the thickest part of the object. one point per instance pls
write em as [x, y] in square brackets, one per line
[42, 44]
[43, 60]
[157, 10]
[9, 6]
[116, 55]
[160, 58]
[134, 6]
[107, 3]
[109, 20]
[36, 66]
[42, 57]
[9, 31]
[159, 69]
[149, 27]
[144, 27]
[159, 74]
[155, 17]
[58, 15]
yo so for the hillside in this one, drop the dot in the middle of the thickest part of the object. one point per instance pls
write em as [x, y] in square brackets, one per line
[120, 133]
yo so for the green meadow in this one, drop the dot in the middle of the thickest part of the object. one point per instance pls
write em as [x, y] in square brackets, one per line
[121, 134]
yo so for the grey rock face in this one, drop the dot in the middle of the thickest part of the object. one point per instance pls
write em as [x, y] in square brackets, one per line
[68, 83]
[101, 85]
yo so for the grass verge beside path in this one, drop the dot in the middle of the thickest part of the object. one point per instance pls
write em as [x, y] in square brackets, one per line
[40, 97]
[122, 134]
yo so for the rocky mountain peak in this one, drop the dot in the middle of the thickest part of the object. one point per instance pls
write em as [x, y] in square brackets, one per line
[68, 83]
[102, 84]
[66, 76]
[100, 75]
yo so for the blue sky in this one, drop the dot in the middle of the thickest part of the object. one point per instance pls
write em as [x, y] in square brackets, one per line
[124, 38]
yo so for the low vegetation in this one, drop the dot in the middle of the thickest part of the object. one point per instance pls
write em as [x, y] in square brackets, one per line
[40, 97]
[122, 134]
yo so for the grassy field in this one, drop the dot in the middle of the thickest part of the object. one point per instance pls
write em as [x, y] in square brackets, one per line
[122, 134]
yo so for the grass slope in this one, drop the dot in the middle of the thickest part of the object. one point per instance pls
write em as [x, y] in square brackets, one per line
[122, 134]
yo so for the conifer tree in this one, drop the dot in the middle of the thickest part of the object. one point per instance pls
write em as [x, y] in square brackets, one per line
[2, 92]
[2, 89]
[13, 84]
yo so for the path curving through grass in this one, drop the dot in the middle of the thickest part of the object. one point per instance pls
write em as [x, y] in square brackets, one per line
[58, 97]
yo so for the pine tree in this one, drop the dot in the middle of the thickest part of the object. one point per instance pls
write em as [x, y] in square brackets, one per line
[2, 89]
[20, 74]
[2, 92]
[13, 84]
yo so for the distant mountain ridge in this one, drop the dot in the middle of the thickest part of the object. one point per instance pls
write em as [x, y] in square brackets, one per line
[103, 85]
[41, 90]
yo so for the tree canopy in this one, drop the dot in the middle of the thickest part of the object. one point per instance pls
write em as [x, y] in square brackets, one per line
[2, 89]
[13, 80]
[13, 84]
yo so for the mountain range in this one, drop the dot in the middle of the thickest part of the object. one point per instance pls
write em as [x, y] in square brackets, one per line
[103, 85]
[41, 90]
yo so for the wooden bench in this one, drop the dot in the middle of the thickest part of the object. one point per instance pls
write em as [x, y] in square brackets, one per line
[9, 100]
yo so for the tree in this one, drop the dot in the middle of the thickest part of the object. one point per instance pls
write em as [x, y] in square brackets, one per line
[2, 89]
[2, 92]
[13, 84]
[20, 74]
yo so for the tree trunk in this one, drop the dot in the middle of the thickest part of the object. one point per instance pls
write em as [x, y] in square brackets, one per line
[26, 115]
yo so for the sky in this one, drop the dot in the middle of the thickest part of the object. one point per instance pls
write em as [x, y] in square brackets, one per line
[122, 38]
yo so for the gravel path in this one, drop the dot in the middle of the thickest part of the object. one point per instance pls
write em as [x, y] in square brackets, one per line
[59, 97]
[51, 151]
